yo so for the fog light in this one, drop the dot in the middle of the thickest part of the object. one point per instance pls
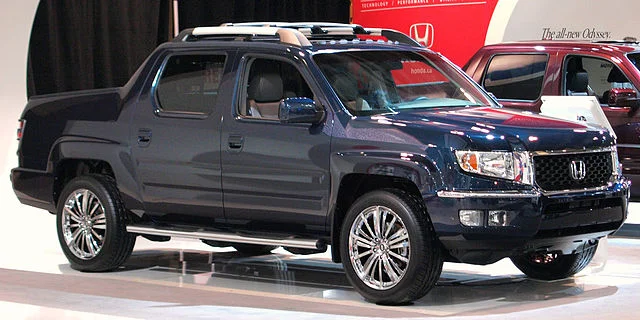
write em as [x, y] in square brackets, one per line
[500, 218]
[471, 218]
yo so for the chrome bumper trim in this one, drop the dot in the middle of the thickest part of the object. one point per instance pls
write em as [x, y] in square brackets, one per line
[572, 191]
[490, 194]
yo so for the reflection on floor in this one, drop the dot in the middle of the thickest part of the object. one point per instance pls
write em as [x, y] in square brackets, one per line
[188, 279]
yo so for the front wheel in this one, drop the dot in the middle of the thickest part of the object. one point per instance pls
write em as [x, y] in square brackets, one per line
[553, 266]
[388, 247]
[91, 224]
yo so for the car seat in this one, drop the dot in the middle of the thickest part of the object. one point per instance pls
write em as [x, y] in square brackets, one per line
[347, 90]
[577, 79]
[265, 92]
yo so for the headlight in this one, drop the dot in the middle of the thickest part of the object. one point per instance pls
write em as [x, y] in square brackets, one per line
[514, 166]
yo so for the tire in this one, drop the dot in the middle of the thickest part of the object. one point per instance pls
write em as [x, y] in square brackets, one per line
[553, 266]
[405, 253]
[91, 224]
[253, 249]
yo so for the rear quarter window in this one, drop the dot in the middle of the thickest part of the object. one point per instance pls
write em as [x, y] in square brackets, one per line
[516, 76]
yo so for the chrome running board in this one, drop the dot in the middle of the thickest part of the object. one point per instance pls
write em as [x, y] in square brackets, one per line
[229, 237]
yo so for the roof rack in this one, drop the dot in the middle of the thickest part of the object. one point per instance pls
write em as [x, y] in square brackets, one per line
[621, 42]
[294, 33]
[289, 36]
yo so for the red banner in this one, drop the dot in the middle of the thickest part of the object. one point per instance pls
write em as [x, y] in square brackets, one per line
[456, 28]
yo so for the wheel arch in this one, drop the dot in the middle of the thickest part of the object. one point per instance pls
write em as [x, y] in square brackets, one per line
[415, 174]
[68, 168]
[74, 156]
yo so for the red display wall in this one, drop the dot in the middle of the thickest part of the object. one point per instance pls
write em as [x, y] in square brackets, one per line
[457, 28]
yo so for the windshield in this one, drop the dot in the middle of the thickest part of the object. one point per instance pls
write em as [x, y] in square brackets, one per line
[372, 82]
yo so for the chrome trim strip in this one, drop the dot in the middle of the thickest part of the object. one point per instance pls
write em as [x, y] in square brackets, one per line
[228, 237]
[625, 145]
[571, 151]
[570, 191]
[489, 194]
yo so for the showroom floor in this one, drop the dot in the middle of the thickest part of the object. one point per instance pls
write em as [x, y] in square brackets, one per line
[188, 279]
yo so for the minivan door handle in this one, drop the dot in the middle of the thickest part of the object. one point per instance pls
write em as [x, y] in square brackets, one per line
[144, 137]
[235, 142]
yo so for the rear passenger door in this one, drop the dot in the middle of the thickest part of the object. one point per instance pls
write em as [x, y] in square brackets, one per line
[517, 79]
[275, 175]
[175, 138]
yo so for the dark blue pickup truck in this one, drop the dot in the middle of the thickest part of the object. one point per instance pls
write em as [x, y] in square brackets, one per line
[308, 135]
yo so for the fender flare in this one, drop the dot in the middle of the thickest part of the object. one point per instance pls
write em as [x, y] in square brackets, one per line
[117, 155]
[419, 169]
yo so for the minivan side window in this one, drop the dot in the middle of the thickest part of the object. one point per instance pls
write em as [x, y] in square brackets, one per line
[516, 76]
[189, 83]
[586, 75]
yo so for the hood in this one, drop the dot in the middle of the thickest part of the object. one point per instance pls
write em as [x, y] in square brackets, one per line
[486, 128]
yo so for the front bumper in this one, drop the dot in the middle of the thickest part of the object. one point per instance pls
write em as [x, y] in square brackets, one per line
[561, 221]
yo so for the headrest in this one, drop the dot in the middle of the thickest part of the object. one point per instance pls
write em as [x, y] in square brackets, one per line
[615, 75]
[265, 87]
[578, 82]
[574, 65]
[346, 88]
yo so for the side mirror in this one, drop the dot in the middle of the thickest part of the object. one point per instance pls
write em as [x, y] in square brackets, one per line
[300, 110]
[624, 97]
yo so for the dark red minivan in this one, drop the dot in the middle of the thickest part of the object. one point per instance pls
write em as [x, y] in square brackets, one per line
[520, 73]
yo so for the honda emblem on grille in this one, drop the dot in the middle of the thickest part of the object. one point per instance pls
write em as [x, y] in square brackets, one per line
[578, 170]
[423, 33]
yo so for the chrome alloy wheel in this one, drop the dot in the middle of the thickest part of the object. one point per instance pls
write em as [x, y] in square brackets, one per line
[84, 224]
[379, 247]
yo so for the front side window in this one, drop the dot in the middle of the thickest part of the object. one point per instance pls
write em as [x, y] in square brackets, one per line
[516, 76]
[268, 82]
[373, 82]
[189, 83]
[592, 76]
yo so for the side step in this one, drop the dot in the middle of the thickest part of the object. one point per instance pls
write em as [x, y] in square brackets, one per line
[229, 237]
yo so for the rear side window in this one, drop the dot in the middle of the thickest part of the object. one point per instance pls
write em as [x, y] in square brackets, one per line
[189, 83]
[516, 76]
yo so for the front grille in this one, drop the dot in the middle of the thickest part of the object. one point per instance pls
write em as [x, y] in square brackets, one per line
[554, 172]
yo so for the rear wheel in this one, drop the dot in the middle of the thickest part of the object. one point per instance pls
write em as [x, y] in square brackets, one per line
[388, 247]
[554, 265]
[91, 224]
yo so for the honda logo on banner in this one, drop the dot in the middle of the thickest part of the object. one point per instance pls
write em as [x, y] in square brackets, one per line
[423, 33]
